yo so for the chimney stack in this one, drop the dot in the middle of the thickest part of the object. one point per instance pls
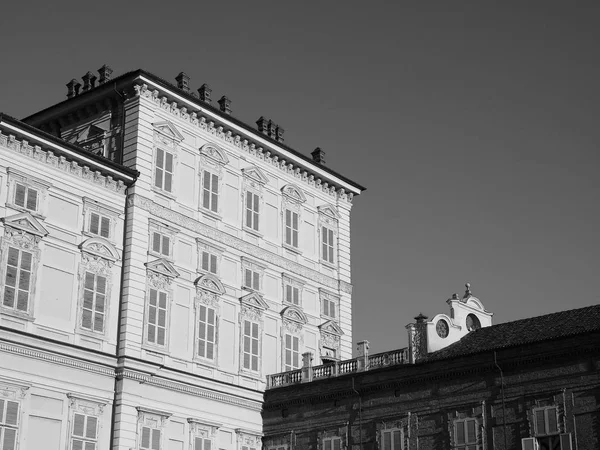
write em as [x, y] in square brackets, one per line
[89, 81]
[318, 156]
[71, 88]
[225, 105]
[279, 133]
[204, 93]
[183, 81]
[105, 73]
[272, 127]
[262, 125]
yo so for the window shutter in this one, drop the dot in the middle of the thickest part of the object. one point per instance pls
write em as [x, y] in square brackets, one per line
[540, 421]
[565, 442]
[166, 246]
[31, 199]
[78, 425]
[337, 443]
[207, 444]
[155, 439]
[397, 437]
[471, 426]
[12, 413]
[10, 439]
[459, 437]
[94, 223]
[156, 242]
[205, 257]
[91, 426]
[169, 172]
[552, 423]
[528, 443]
[215, 195]
[198, 443]
[213, 263]
[146, 437]
[256, 281]
[105, 227]
[327, 444]
[20, 195]
[248, 278]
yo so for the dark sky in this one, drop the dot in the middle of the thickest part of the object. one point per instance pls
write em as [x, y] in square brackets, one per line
[474, 127]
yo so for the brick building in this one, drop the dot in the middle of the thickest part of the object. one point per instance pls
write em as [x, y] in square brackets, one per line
[529, 384]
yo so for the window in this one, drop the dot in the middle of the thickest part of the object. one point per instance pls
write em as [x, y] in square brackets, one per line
[333, 443]
[465, 434]
[547, 432]
[252, 210]
[329, 307]
[556, 442]
[161, 244]
[163, 173]
[327, 241]
[250, 349]
[150, 439]
[9, 424]
[391, 439]
[207, 323]
[94, 302]
[252, 279]
[291, 228]
[26, 197]
[292, 294]
[99, 225]
[202, 443]
[546, 421]
[156, 322]
[292, 352]
[210, 191]
[209, 262]
[17, 286]
[84, 432]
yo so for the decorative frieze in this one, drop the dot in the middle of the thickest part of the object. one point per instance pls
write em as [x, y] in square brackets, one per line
[205, 124]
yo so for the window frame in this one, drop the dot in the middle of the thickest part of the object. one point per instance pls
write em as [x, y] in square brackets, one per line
[212, 251]
[331, 440]
[292, 283]
[153, 420]
[292, 200]
[4, 425]
[155, 345]
[253, 324]
[252, 212]
[463, 422]
[254, 182]
[91, 207]
[391, 430]
[199, 307]
[155, 170]
[545, 410]
[212, 160]
[257, 275]
[164, 231]
[16, 177]
[328, 225]
[288, 366]
[213, 196]
[327, 298]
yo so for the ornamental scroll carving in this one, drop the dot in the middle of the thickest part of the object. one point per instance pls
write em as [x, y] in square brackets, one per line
[248, 439]
[85, 406]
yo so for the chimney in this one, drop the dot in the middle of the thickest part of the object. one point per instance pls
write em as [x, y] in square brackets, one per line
[262, 125]
[279, 133]
[225, 105]
[183, 81]
[105, 72]
[71, 88]
[318, 156]
[272, 129]
[204, 93]
[87, 81]
[363, 355]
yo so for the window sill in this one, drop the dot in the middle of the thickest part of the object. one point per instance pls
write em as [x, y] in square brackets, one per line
[328, 264]
[35, 214]
[161, 256]
[92, 334]
[204, 362]
[292, 249]
[209, 213]
[252, 231]
[16, 314]
[333, 319]
[251, 374]
[157, 350]
[92, 235]
[164, 193]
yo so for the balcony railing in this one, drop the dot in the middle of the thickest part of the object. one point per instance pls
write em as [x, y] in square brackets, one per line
[337, 368]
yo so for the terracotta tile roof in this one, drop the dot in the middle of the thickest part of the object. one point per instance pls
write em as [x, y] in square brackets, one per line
[524, 331]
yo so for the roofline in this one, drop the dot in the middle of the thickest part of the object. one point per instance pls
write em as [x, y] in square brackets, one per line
[146, 76]
[116, 170]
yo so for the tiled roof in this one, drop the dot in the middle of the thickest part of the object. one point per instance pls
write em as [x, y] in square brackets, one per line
[524, 331]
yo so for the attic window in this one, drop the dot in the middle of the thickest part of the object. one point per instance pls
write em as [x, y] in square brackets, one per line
[473, 322]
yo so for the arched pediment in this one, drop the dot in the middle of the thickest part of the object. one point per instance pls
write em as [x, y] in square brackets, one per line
[293, 193]
[331, 327]
[295, 314]
[163, 267]
[215, 153]
[329, 210]
[166, 128]
[474, 302]
[100, 247]
[255, 300]
[255, 174]
[210, 283]
[26, 222]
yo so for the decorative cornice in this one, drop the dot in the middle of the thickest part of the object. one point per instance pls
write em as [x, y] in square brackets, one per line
[61, 163]
[227, 239]
[207, 124]
[186, 388]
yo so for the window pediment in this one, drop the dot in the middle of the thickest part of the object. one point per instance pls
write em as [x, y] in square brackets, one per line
[162, 267]
[331, 327]
[27, 223]
[98, 246]
[293, 193]
[294, 314]
[329, 210]
[210, 283]
[169, 130]
[254, 300]
[215, 153]
[254, 173]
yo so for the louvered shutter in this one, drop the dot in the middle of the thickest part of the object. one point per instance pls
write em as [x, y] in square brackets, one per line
[168, 172]
[256, 281]
[94, 223]
[327, 444]
[213, 263]
[565, 441]
[166, 246]
[158, 178]
[206, 190]
[156, 242]
[256, 212]
[528, 443]
[20, 192]
[295, 230]
[32, 199]
[205, 259]
[198, 444]
[155, 439]
[12, 413]
[105, 227]
[146, 431]
[552, 421]
[10, 439]
[337, 444]
[215, 193]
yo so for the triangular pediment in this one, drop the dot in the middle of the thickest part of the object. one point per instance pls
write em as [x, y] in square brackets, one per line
[215, 153]
[168, 129]
[163, 267]
[295, 314]
[331, 327]
[100, 247]
[255, 300]
[26, 222]
[256, 174]
[329, 210]
[210, 283]
[293, 193]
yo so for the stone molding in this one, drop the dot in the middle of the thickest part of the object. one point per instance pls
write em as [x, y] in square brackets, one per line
[227, 239]
[187, 389]
[61, 163]
[208, 125]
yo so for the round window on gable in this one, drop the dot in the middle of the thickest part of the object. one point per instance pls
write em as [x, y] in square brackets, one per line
[473, 322]
[442, 328]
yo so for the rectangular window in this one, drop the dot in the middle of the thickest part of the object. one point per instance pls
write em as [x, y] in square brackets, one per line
[26, 197]
[94, 302]
[84, 434]
[252, 209]
[209, 262]
[327, 244]
[329, 307]
[291, 228]
[210, 191]
[161, 244]
[9, 424]
[292, 294]
[202, 443]
[546, 421]
[99, 225]
[250, 345]
[292, 352]
[207, 323]
[334, 443]
[391, 440]
[150, 439]
[157, 317]
[465, 434]
[163, 176]
[17, 284]
[252, 279]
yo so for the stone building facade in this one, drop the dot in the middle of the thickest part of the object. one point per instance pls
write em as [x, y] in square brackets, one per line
[231, 258]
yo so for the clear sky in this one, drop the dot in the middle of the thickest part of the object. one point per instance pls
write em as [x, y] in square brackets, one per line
[472, 124]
